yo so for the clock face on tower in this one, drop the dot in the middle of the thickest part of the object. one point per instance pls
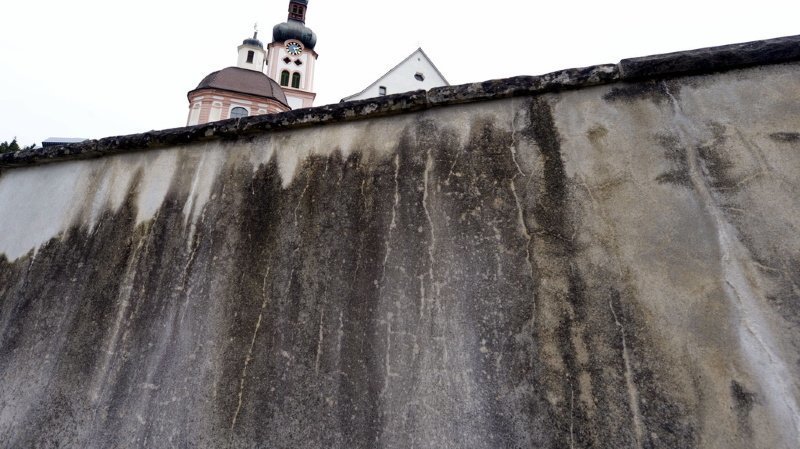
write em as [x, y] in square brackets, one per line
[294, 48]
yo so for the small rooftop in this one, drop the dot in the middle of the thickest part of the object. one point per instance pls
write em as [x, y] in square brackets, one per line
[56, 141]
[253, 41]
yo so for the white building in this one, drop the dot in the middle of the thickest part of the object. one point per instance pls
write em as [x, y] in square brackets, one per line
[415, 72]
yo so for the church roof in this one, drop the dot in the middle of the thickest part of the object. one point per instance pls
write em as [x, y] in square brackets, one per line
[253, 42]
[292, 29]
[243, 81]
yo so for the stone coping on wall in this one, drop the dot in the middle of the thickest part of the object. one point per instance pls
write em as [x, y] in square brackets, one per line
[691, 62]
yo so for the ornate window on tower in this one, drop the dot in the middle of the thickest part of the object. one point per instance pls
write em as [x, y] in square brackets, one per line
[250, 55]
[296, 80]
[285, 78]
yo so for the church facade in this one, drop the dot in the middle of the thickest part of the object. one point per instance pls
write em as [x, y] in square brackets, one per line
[245, 89]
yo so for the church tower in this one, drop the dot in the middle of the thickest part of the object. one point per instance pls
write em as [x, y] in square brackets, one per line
[291, 57]
[239, 91]
[252, 55]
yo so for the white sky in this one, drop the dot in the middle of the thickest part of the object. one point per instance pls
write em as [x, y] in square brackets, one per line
[96, 68]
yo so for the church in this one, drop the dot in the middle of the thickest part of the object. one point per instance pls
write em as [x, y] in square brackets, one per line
[267, 80]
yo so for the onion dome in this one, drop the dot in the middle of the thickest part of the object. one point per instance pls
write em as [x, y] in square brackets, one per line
[293, 29]
[253, 41]
[243, 81]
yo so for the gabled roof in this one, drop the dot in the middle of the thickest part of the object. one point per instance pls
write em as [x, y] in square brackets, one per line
[418, 50]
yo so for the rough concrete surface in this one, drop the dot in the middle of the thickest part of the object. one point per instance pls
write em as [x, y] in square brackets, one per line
[616, 266]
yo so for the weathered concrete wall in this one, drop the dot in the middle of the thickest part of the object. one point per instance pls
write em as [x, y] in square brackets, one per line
[616, 266]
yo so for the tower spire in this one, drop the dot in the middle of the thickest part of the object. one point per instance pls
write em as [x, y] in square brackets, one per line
[297, 10]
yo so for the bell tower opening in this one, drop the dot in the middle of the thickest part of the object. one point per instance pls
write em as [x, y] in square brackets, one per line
[297, 11]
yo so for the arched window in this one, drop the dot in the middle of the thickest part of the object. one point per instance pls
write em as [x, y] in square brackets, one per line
[296, 80]
[285, 78]
[239, 112]
[250, 55]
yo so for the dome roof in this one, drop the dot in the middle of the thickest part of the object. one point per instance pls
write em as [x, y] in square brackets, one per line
[253, 42]
[243, 81]
[293, 29]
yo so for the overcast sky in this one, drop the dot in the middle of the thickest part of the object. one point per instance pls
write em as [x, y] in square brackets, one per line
[96, 68]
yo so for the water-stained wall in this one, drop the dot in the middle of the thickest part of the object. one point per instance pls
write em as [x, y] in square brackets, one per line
[616, 266]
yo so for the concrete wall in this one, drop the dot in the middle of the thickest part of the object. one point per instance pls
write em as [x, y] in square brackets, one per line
[615, 266]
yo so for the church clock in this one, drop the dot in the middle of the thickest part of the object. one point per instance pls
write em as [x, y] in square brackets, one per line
[294, 48]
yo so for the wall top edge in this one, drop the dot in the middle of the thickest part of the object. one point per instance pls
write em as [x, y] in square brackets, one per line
[669, 65]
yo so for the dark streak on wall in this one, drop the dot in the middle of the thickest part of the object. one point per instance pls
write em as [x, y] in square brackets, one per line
[539, 271]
